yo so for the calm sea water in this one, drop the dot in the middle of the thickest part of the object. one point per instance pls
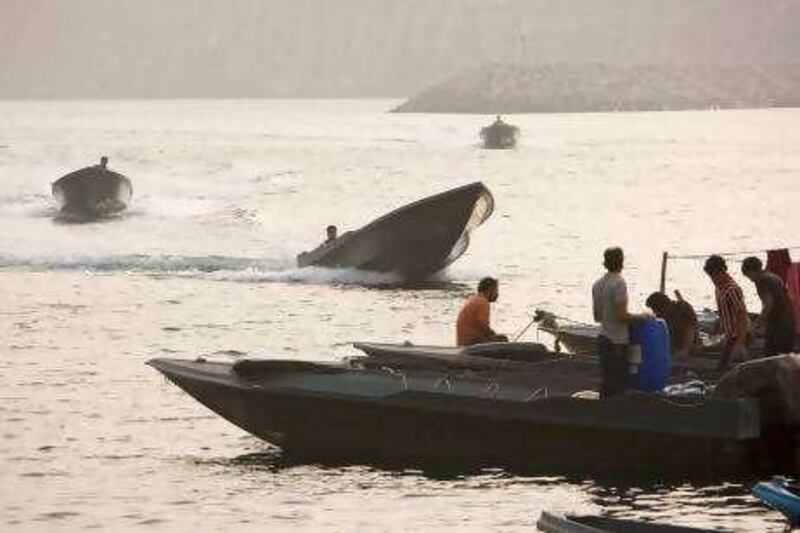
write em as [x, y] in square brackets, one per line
[227, 192]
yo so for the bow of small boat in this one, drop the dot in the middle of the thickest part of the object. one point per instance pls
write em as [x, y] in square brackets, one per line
[557, 523]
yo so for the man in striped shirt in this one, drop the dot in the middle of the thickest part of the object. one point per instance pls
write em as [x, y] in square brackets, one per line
[733, 320]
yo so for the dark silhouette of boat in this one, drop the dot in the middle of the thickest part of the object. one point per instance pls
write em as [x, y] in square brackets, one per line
[499, 135]
[414, 241]
[92, 192]
[556, 523]
[489, 418]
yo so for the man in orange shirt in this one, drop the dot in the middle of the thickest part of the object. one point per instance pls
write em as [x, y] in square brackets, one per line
[472, 326]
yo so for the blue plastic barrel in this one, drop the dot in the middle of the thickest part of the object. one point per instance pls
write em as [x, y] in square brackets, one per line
[654, 369]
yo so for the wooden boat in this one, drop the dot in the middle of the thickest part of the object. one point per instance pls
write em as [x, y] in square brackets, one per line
[92, 192]
[555, 523]
[414, 241]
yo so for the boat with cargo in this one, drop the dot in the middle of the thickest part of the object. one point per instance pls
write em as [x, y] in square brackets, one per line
[505, 417]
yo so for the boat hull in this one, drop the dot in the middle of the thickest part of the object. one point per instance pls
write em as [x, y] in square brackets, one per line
[499, 136]
[554, 523]
[434, 418]
[414, 241]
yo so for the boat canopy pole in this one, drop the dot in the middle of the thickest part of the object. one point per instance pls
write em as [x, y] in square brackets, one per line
[663, 285]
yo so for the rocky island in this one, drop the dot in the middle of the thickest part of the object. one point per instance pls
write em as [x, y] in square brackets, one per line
[598, 87]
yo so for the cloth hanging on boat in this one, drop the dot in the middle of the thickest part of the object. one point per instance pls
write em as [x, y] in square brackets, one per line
[793, 288]
[778, 262]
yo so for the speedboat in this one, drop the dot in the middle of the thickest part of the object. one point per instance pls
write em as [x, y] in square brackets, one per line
[414, 241]
[556, 523]
[499, 135]
[92, 192]
[503, 418]
[783, 495]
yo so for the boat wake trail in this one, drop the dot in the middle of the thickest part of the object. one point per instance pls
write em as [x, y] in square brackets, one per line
[27, 205]
[214, 268]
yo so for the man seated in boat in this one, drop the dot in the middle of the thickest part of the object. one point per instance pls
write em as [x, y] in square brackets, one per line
[332, 232]
[472, 326]
[305, 258]
[681, 320]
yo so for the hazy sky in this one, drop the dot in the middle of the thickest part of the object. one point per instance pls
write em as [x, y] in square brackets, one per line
[267, 48]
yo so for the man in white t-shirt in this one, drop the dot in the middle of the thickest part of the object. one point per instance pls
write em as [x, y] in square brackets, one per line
[610, 307]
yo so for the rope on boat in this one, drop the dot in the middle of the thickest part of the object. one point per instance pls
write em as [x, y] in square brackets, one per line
[518, 335]
[535, 393]
[394, 372]
[541, 314]
[444, 380]
[731, 254]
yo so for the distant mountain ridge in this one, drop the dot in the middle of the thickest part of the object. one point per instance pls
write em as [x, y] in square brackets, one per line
[513, 88]
[359, 48]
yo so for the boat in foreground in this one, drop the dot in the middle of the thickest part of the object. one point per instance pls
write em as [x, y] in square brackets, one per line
[783, 495]
[92, 192]
[516, 418]
[414, 241]
[555, 523]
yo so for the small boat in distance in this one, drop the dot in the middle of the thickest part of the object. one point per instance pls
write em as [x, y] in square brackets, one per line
[92, 192]
[414, 241]
[499, 134]
[554, 523]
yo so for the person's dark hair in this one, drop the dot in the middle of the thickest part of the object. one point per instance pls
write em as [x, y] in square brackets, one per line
[657, 300]
[752, 264]
[714, 265]
[612, 259]
[486, 283]
[331, 228]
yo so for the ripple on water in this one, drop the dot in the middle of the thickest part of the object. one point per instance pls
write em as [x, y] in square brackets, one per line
[56, 515]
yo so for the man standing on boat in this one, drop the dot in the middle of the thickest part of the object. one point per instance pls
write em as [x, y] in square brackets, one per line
[733, 319]
[777, 314]
[472, 325]
[610, 307]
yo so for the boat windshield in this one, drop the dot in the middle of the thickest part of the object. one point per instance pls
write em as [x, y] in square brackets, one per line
[481, 210]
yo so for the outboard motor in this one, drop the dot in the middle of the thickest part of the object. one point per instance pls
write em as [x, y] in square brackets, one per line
[651, 359]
